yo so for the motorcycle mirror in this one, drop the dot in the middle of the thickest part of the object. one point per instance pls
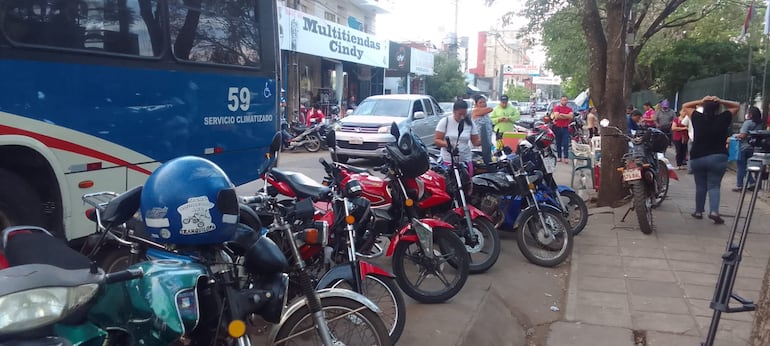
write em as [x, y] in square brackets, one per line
[395, 131]
[604, 122]
[275, 144]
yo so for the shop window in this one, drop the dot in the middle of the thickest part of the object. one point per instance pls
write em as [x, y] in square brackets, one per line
[330, 16]
[219, 32]
[124, 27]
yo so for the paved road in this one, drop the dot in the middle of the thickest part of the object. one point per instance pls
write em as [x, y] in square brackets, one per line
[494, 308]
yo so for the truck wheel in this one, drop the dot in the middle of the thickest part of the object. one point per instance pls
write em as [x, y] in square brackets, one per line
[19, 203]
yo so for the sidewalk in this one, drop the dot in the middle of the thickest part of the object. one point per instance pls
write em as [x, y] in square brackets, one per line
[626, 286]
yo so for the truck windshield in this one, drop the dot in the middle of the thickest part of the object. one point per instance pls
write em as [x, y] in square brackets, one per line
[384, 107]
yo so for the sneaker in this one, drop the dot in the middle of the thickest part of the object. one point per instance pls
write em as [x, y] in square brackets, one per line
[697, 215]
[738, 189]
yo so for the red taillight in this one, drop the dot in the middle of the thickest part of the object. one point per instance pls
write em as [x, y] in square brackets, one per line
[91, 214]
[93, 166]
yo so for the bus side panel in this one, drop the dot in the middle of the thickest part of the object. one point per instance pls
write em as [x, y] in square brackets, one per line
[160, 114]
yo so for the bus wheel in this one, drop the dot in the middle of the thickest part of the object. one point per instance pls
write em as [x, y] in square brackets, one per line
[19, 203]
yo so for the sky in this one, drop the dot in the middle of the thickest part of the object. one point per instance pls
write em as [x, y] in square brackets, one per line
[417, 20]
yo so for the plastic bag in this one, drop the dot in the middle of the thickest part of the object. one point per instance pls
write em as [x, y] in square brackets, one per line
[734, 149]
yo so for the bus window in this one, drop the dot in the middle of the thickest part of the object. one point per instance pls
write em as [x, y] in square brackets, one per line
[220, 32]
[125, 27]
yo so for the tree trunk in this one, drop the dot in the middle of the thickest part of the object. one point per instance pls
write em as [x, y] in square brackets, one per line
[760, 334]
[617, 92]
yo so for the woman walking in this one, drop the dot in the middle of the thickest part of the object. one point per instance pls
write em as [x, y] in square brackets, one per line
[483, 125]
[680, 137]
[752, 122]
[708, 157]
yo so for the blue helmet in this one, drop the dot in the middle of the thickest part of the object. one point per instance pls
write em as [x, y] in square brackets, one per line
[189, 201]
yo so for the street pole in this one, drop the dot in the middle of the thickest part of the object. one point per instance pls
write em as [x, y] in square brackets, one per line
[500, 84]
[764, 73]
[454, 40]
[292, 85]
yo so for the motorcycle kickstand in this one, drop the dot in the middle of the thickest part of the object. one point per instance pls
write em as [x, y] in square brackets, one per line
[623, 219]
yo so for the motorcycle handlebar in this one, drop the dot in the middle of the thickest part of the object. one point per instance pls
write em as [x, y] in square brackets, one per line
[124, 275]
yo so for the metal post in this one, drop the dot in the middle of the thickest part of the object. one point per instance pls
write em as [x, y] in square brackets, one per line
[764, 73]
[500, 84]
[748, 73]
[292, 80]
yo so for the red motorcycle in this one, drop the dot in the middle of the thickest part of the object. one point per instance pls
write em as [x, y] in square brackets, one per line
[327, 242]
[430, 245]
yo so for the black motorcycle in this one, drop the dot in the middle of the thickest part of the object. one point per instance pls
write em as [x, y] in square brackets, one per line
[645, 172]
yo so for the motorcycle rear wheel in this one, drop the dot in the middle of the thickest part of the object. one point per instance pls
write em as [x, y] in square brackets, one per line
[577, 211]
[395, 317]
[555, 251]
[449, 255]
[643, 206]
[299, 328]
[312, 143]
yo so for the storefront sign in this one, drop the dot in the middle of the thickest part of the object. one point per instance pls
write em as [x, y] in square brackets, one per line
[546, 80]
[521, 70]
[307, 34]
[400, 57]
[422, 62]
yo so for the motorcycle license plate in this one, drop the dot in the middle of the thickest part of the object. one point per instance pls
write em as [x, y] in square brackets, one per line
[632, 174]
[356, 140]
[550, 164]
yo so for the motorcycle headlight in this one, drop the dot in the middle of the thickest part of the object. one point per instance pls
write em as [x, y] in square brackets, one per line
[31, 309]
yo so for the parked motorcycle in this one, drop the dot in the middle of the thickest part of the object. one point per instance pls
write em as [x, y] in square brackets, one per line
[548, 191]
[544, 236]
[330, 254]
[646, 171]
[431, 245]
[446, 198]
[236, 262]
[296, 135]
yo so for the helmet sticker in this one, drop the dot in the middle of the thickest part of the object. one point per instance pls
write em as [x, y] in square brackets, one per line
[156, 217]
[196, 217]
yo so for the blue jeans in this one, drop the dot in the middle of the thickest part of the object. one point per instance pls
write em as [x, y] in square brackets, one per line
[741, 164]
[562, 141]
[708, 171]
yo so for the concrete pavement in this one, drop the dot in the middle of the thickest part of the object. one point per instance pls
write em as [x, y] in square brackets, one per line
[628, 288]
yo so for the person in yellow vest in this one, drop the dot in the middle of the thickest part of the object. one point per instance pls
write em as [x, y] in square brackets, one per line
[504, 116]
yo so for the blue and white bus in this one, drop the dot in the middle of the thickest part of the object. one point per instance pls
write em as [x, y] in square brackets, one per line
[96, 94]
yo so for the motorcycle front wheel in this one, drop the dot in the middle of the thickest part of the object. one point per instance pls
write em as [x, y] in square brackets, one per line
[486, 251]
[643, 206]
[663, 180]
[534, 236]
[350, 323]
[424, 278]
[312, 143]
[383, 291]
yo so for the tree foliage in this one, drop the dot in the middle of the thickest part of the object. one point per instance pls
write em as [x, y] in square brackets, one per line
[615, 32]
[686, 60]
[566, 49]
[518, 93]
[447, 82]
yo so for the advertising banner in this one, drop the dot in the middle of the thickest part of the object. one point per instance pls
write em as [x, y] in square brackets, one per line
[422, 62]
[399, 57]
[303, 33]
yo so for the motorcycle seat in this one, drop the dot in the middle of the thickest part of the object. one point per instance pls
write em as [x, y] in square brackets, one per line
[355, 169]
[303, 186]
[35, 247]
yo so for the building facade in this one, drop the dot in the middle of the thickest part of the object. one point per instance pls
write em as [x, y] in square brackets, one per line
[331, 54]
[502, 58]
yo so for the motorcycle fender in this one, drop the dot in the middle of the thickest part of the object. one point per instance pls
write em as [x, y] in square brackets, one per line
[564, 188]
[338, 272]
[402, 235]
[433, 223]
[323, 293]
[475, 213]
[144, 302]
[369, 268]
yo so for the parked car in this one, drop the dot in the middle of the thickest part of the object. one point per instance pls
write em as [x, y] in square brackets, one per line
[570, 104]
[364, 132]
[446, 107]
[525, 108]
